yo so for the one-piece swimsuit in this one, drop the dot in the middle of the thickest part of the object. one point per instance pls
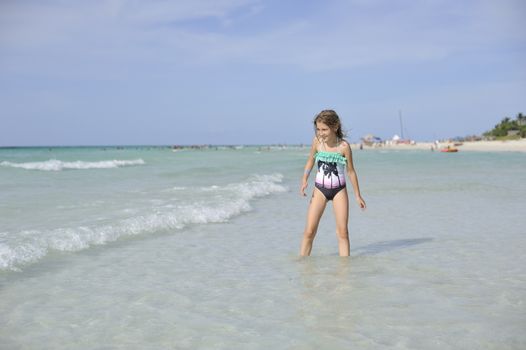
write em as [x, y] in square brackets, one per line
[330, 177]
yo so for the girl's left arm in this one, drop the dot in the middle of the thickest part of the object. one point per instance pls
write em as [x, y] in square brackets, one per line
[353, 177]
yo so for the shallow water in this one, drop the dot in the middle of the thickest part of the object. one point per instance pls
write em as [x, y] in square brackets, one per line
[198, 249]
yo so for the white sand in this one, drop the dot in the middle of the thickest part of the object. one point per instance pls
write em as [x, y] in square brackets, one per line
[515, 146]
[486, 146]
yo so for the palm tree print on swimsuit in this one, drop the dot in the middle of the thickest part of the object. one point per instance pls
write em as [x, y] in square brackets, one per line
[327, 171]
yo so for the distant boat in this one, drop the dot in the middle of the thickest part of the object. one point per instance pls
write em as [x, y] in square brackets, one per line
[449, 149]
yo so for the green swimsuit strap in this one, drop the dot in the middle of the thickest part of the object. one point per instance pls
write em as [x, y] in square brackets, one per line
[331, 157]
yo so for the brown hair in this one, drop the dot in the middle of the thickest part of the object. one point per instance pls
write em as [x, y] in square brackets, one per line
[329, 117]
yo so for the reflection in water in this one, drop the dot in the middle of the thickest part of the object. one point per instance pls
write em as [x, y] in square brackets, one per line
[325, 300]
[384, 246]
[339, 297]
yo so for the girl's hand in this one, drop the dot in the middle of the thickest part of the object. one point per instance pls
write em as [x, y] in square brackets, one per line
[303, 187]
[361, 202]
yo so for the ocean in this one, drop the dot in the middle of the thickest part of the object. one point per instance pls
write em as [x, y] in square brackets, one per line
[150, 248]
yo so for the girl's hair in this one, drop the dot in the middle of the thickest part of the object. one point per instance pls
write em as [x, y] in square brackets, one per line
[329, 117]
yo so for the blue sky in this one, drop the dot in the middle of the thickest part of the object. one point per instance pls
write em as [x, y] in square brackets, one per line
[254, 72]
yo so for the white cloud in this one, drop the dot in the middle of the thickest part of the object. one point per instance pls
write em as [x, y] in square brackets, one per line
[34, 23]
[348, 35]
[345, 34]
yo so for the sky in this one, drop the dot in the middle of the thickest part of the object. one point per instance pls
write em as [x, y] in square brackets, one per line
[132, 72]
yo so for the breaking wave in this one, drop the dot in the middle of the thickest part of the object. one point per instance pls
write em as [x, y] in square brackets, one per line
[24, 247]
[58, 165]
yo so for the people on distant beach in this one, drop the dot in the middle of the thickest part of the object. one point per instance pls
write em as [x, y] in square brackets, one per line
[332, 156]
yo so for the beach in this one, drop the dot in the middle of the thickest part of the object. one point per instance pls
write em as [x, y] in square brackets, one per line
[146, 248]
[482, 146]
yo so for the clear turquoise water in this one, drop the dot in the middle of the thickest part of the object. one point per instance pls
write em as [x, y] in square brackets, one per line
[149, 248]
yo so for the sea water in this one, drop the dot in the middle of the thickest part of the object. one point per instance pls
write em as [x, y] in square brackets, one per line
[147, 248]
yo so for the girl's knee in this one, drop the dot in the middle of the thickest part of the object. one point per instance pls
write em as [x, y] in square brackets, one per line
[309, 234]
[342, 233]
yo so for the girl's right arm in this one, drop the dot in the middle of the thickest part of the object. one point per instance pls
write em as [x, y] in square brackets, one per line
[308, 166]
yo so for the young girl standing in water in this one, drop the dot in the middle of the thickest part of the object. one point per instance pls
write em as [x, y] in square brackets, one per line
[331, 154]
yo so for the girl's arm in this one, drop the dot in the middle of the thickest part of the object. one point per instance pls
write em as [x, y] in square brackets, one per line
[352, 175]
[308, 166]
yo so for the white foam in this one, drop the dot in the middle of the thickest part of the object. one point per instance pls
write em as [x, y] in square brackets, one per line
[233, 199]
[58, 165]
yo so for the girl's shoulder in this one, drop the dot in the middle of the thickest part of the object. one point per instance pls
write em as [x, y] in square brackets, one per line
[344, 144]
[345, 147]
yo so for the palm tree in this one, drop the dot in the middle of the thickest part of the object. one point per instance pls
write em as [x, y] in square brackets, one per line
[329, 169]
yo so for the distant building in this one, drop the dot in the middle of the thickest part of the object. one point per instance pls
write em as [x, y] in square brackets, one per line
[397, 140]
[370, 140]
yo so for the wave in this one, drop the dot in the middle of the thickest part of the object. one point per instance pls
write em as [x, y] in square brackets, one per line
[29, 246]
[58, 165]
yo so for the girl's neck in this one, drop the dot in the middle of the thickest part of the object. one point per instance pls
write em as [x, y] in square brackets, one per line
[332, 143]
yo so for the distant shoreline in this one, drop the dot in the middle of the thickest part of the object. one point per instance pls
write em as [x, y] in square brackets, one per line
[481, 146]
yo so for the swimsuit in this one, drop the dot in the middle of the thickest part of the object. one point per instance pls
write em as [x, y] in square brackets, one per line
[330, 178]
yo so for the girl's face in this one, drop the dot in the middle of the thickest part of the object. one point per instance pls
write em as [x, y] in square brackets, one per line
[324, 131]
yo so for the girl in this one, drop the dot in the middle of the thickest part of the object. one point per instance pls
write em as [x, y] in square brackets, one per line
[331, 153]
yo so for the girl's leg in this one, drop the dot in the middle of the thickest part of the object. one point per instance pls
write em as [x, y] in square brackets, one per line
[316, 208]
[341, 213]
